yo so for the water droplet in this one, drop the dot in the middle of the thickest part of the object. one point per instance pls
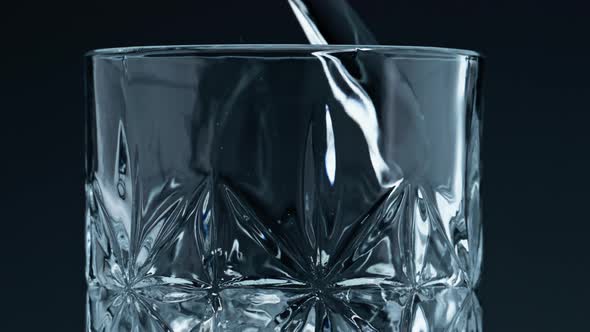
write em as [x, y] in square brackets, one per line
[91, 200]
[421, 205]
[121, 189]
[122, 162]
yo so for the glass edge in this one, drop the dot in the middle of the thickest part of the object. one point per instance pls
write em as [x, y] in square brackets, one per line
[144, 50]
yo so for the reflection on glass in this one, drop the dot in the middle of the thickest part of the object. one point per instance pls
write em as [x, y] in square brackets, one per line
[294, 188]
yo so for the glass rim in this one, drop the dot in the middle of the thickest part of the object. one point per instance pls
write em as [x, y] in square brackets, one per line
[228, 49]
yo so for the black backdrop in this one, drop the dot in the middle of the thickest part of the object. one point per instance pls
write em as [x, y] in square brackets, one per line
[535, 146]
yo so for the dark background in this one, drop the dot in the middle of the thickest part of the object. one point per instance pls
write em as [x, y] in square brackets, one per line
[535, 145]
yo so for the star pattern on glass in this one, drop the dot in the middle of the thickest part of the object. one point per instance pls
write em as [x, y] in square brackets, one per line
[374, 259]
[130, 276]
[198, 256]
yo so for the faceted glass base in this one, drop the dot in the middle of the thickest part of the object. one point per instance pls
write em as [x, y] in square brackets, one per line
[258, 309]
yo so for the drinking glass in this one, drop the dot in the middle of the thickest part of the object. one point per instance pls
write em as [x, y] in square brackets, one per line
[283, 187]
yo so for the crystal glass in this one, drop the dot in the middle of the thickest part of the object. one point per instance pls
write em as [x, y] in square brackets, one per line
[283, 187]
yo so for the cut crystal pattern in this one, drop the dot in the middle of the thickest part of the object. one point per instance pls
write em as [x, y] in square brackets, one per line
[249, 208]
[388, 277]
